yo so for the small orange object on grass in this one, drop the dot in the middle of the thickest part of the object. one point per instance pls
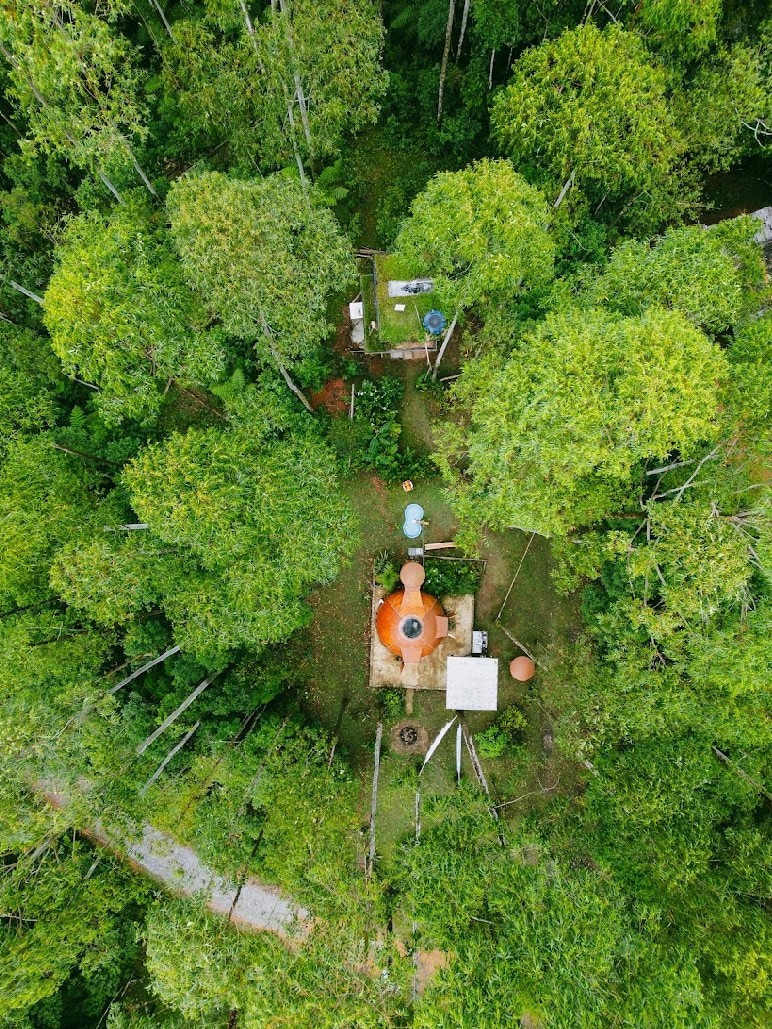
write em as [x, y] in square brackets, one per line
[522, 669]
[407, 486]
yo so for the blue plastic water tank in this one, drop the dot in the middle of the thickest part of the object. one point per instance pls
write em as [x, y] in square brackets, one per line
[435, 322]
[413, 515]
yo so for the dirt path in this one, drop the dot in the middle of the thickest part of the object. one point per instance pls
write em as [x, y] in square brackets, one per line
[252, 906]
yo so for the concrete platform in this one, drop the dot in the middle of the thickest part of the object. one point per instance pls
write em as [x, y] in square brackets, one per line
[430, 673]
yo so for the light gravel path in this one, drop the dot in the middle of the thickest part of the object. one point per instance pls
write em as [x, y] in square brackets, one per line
[157, 854]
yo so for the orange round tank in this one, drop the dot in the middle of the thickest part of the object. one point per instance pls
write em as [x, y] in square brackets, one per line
[522, 669]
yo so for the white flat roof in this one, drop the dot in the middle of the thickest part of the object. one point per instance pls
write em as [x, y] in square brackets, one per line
[473, 684]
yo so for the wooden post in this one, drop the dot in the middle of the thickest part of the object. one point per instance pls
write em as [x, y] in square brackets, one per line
[374, 804]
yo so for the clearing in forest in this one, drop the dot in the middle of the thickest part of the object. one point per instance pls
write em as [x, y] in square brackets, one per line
[338, 647]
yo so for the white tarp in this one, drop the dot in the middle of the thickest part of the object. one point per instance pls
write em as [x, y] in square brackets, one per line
[409, 287]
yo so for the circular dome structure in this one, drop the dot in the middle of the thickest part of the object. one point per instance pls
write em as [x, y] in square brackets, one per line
[522, 669]
[434, 322]
[411, 624]
[412, 575]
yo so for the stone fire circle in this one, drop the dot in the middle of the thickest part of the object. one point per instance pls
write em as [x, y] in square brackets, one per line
[408, 737]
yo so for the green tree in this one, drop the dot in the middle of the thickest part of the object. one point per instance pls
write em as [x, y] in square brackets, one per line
[749, 392]
[724, 108]
[481, 233]
[76, 82]
[121, 316]
[29, 377]
[586, 118]
[319, 78]
[242, 525]
[262, 258]
[44, 500]
[532, 938]
[267, 87]
[557, 429]
[64, 913]
[680, 29]
[694, 271]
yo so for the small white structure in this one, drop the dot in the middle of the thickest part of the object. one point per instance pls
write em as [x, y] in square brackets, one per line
[479, 643]
[356, 311]
[472, 684]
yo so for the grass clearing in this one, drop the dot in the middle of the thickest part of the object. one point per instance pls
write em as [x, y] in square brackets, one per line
[335, 665]
[399, 327]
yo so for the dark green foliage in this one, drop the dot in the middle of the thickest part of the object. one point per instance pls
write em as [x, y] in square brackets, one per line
[631, 885]
[505, 733]
[451, 578]
[372, 440]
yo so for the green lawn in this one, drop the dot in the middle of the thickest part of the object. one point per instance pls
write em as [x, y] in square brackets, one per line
[398, 327]
[336, 649]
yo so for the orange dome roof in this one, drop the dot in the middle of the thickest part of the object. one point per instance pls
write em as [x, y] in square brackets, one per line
[411, 623]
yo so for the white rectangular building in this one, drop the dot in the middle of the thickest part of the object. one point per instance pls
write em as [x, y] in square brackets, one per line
[472, 684]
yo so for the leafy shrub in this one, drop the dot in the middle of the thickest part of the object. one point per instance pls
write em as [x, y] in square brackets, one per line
[452, 578]
[507, 731]
[513, 724]
[377, 405]
[388, 577]
[393, 704]
[491, 743]
[315, 368]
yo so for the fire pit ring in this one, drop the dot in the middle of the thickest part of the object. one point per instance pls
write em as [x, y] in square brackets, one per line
[407, 737]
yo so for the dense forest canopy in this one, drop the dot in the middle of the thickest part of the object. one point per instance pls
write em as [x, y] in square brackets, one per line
[199, 475]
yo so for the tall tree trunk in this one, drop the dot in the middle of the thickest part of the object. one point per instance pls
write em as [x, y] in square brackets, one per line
[566, 186]
[490, 70]
[128, 527]
[8, 121]
[26, 292]
[445, 342]
[299, 93]
[110, 186]
[138, 168]
[86, 457]
[287, 99]
[142, 747]
[162, 16]
[144, 668]
[298, 158]
[175, 749]
[284, 373]
[464, 18]
[445, 55]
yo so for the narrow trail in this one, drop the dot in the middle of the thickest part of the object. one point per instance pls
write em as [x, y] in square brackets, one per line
[254, 906]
